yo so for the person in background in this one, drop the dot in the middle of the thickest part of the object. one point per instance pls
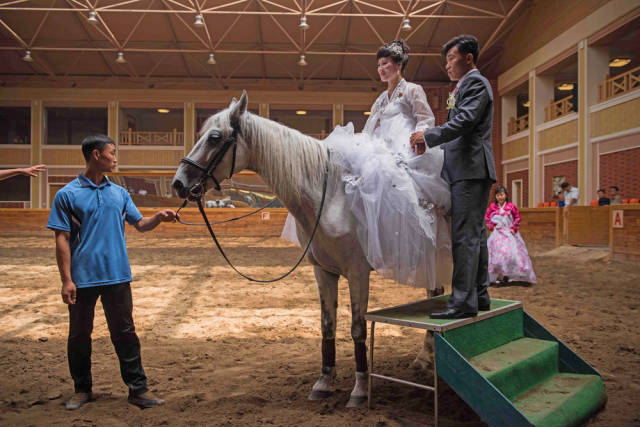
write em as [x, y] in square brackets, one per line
[616, 198]
[570, 194]
[508, 256]
[88, 216]
[603, 200]
[30, 171]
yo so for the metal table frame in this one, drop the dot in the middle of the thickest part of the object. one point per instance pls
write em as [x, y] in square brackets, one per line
[376, 316]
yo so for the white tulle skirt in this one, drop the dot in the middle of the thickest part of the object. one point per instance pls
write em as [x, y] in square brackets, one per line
[400, 203]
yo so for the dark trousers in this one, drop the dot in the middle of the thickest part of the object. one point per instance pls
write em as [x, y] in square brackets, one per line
[469, 244]
[118, 307]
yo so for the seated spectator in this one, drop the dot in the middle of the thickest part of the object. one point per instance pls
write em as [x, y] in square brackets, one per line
[569, 194]
[603, 200]
[616, 198]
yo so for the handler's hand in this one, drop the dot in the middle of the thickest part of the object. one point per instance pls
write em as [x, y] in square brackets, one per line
[418, 145]
[69, 292]
[33, 170]
[167, 215]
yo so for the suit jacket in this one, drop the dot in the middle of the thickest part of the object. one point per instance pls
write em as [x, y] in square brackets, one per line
[466, 136]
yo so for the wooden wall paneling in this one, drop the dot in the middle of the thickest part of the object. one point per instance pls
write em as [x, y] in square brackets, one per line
[515, 149]
[615, 119]
[558, 136]
[588, 225]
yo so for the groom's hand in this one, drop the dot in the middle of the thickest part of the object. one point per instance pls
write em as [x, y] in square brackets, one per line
[418, 145]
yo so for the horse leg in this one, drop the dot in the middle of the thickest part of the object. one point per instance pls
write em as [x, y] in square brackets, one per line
[424, 359]
[328, 288]
[359, 292]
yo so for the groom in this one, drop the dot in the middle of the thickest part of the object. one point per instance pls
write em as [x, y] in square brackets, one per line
[469, 169]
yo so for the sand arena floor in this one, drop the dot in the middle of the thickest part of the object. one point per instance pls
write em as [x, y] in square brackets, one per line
[222, 351]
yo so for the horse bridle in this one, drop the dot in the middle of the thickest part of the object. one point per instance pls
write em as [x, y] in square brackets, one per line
[215, 136]
[197, 191]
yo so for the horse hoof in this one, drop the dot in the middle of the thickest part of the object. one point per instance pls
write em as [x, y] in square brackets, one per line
[421, 365]
[319, 394]
[356, 401]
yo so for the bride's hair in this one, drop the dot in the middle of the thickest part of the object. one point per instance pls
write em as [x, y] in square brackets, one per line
[397, 50]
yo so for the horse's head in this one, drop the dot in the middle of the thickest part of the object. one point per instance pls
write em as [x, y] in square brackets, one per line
[219, 152]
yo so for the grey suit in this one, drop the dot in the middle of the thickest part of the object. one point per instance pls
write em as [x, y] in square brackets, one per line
[469, 168]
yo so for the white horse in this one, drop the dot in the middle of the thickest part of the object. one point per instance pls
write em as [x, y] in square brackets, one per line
[294, 165]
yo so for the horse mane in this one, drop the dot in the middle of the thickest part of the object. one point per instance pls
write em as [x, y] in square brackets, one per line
[286, 159]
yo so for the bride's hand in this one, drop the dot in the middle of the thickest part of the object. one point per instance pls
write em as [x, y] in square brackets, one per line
[418, 145]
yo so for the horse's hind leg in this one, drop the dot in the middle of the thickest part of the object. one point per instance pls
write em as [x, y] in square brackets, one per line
[359, 292]
[424, 359]
[328, 288]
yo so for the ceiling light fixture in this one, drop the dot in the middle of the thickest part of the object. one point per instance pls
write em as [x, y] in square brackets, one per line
[211, 60]
[526, 104]
[303, 61]
[92, 17]
[198, 22]
[120, 59]
[367, 113]
[565, 86]
[163, 110]
[619, 62]
[303, 23]
[301, 112]
[27, 56]
[406, 26]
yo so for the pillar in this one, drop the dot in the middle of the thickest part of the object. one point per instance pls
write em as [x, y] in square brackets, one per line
[585, 169]
[338, 115]
[263, 110]
[189, 114]
[38, 182]
[533, 161]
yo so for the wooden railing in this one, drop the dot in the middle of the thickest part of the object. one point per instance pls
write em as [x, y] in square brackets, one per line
[622, 83]
[130, 137]
[558, 108]
[517, 125]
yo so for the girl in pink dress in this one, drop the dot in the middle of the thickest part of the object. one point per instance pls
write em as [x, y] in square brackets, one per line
[508, 256]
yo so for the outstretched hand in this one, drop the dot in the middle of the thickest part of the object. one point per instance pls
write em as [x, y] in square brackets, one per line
[32, 171]
[418, 145]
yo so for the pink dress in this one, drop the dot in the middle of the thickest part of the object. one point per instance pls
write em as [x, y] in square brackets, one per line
[508, 254]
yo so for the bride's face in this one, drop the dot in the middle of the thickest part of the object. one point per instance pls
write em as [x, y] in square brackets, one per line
[387, 69]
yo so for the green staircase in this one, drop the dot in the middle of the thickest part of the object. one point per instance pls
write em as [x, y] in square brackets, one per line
[513, 372]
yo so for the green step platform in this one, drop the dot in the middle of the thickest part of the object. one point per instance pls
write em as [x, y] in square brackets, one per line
[513, 372]
[505, 365]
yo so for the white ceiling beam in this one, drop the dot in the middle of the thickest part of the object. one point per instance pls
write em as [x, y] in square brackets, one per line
[322, 30]
[230, 27]
[373, 29]
[477, 9]
[225, 51]
[390, 11]
[280, 26]
[494, 35]
[135, 27]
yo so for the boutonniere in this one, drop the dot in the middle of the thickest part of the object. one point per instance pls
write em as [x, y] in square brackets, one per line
[451, 101]
[400, 95]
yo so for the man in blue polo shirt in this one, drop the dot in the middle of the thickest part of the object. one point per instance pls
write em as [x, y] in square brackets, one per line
[88, 217]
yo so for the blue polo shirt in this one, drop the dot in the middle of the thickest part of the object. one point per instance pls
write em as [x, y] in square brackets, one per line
[95, 215]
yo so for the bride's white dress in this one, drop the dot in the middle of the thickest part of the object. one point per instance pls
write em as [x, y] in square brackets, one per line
[398, 197]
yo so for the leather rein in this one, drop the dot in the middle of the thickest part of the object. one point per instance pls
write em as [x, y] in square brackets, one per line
[196, 193]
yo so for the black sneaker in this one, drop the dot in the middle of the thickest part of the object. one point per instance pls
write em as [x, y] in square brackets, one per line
[78, 400]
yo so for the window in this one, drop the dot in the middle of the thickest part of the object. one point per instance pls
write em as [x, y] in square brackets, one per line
[15, 125]
[151, 126]
[69, 126]
[15, 189]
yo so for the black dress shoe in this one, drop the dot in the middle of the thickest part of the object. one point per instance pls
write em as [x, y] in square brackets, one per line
[451, 313]
[484, 307]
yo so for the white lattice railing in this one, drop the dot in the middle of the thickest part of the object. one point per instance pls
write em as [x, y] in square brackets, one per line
[130, 137]
[622, 83]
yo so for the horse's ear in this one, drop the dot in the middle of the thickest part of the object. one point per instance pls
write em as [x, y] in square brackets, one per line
[239, 108]
[233, 101]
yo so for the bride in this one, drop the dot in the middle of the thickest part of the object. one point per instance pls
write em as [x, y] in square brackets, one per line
[398, 197]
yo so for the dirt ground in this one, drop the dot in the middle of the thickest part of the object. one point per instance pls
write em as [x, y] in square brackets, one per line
[223, 351]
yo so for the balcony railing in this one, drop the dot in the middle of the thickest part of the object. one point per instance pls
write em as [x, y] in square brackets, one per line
[517, 125]
[622, 83]
[558, 108]
[130, 137]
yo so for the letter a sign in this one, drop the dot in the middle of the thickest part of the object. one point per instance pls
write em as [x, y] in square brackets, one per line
[618, 219]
